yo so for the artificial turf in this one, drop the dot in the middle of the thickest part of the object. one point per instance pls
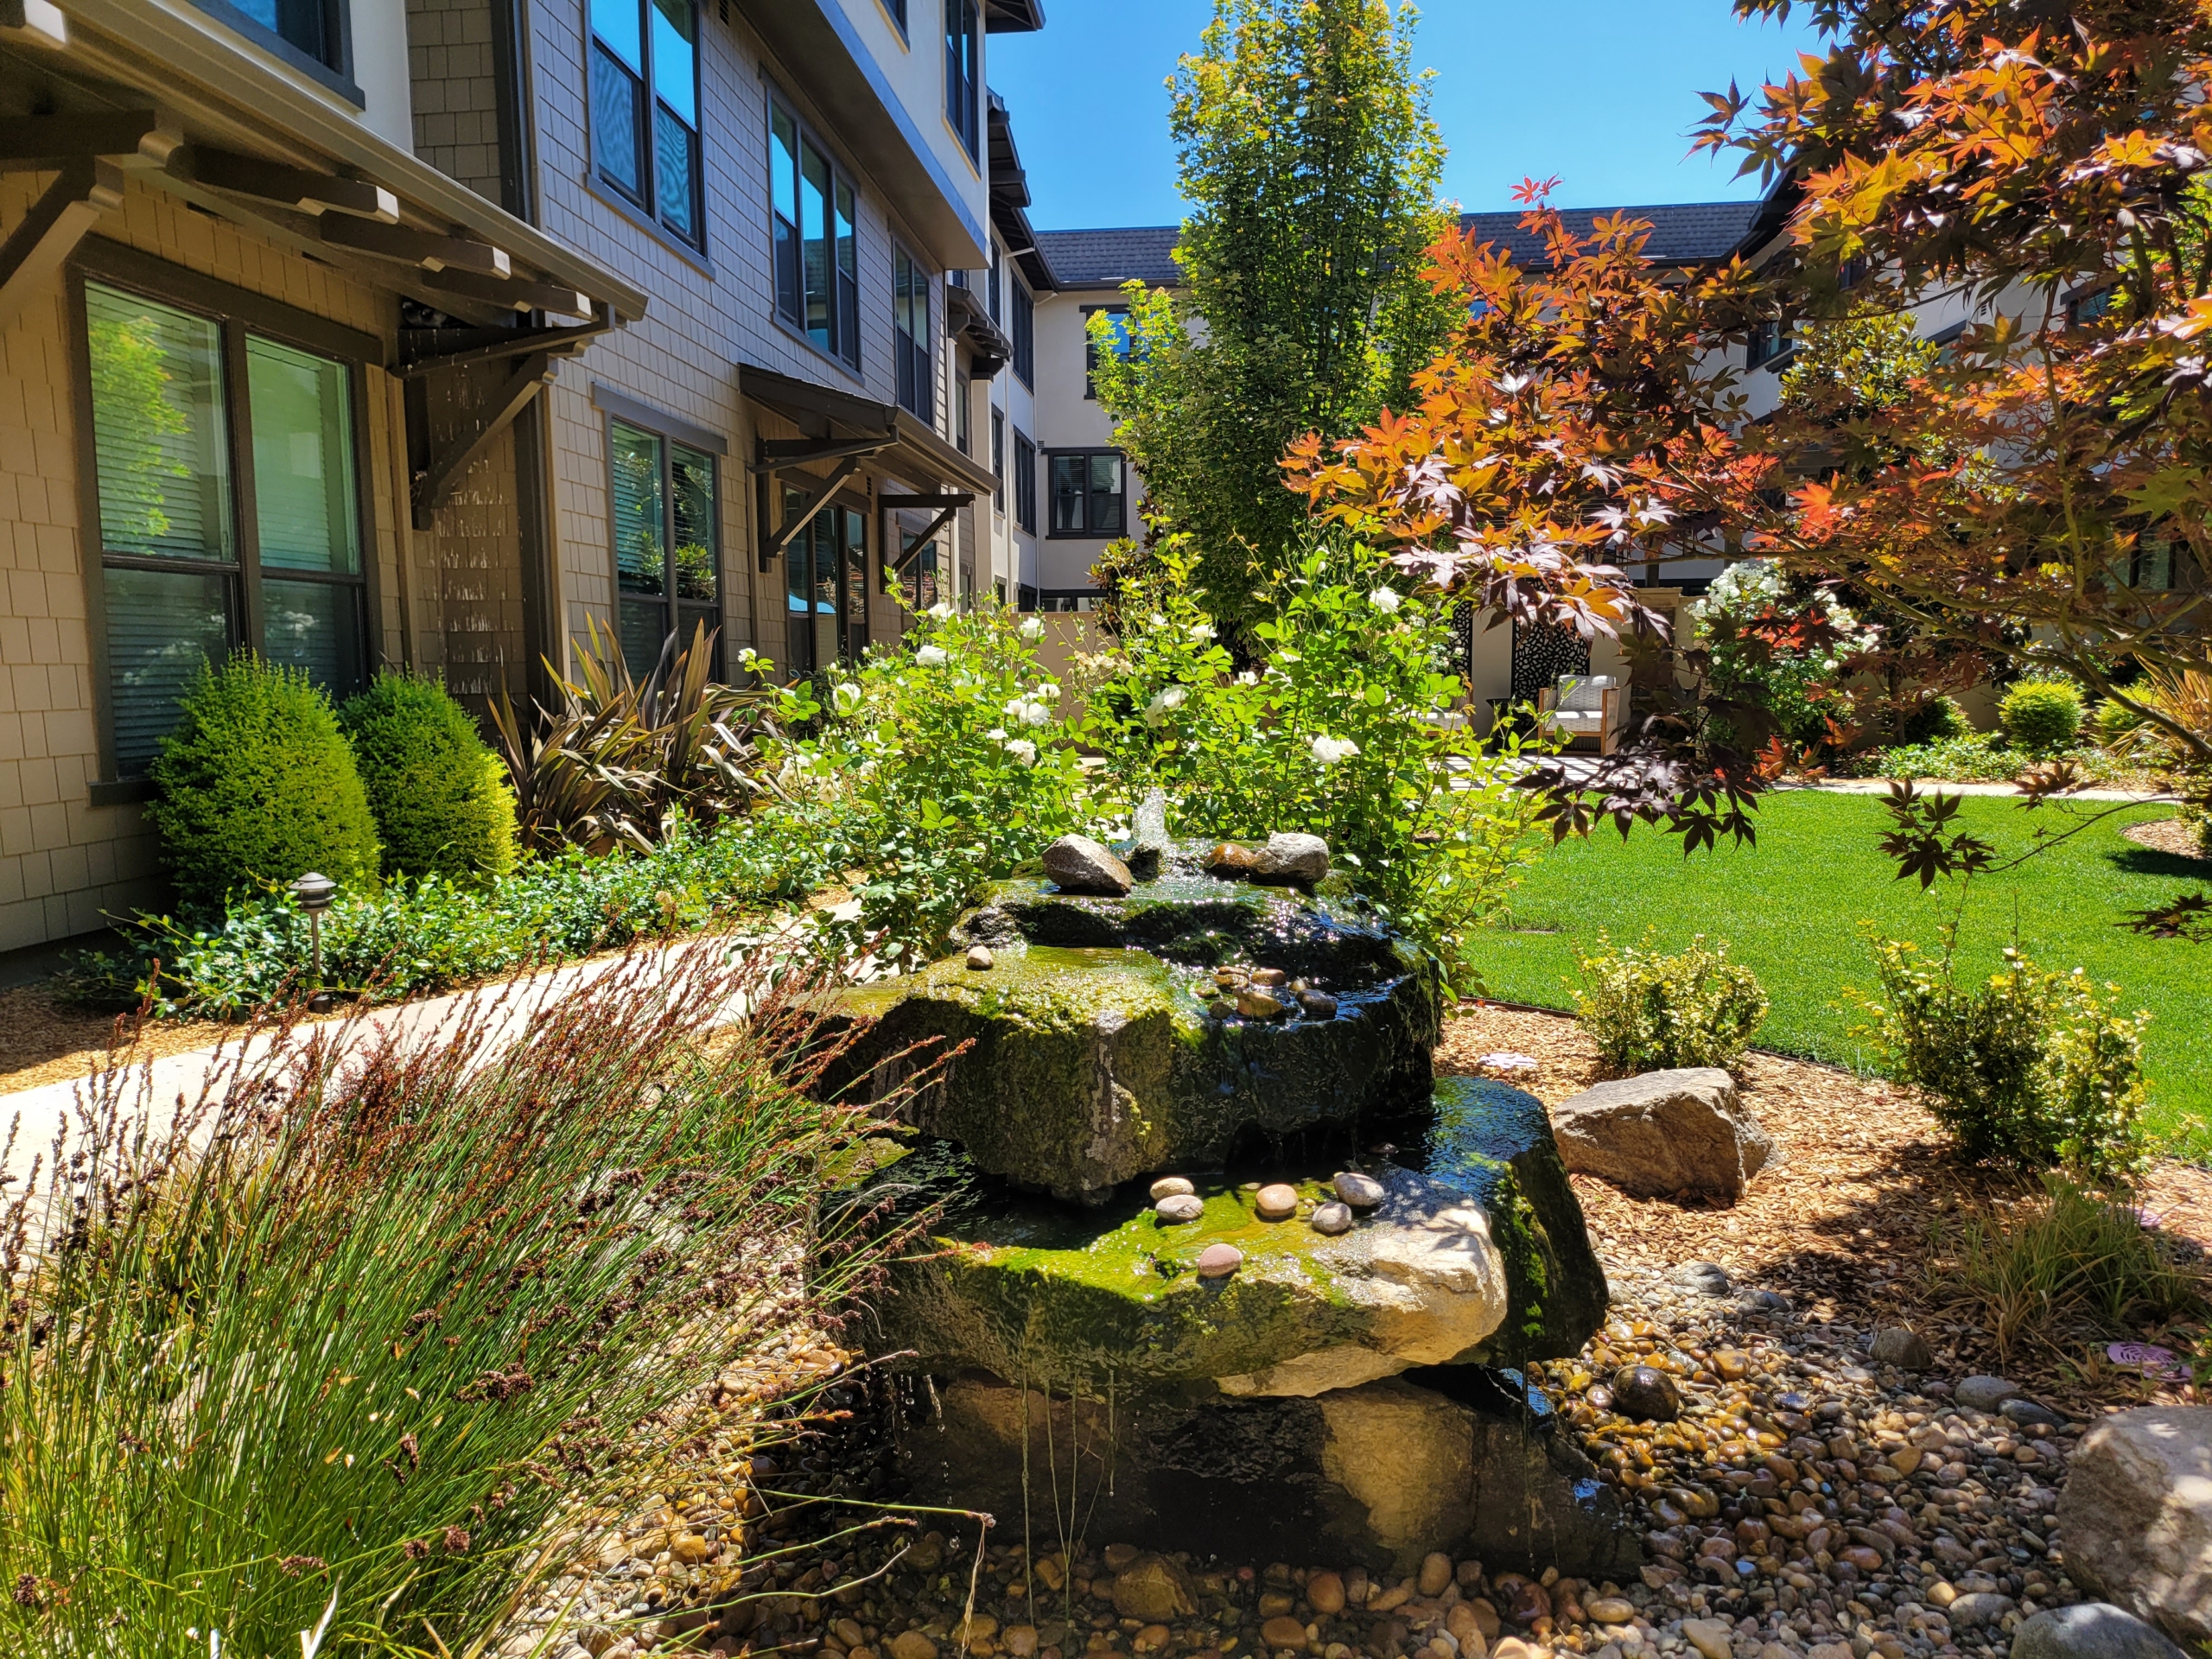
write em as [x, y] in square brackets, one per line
[1791, 907]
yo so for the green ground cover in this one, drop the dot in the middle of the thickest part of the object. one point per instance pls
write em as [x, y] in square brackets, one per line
[1790, 908]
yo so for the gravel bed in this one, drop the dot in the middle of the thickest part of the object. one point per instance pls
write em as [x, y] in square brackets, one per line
[1806, 1501]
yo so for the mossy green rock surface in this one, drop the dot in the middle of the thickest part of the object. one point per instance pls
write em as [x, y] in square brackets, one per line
[1486, 1259]
[1091, 1058]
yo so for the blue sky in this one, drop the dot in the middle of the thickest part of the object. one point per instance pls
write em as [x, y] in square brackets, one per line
[1599, 91]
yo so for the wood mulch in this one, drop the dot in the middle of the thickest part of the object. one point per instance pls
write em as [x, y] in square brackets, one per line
[44, 1040]
[1845, 1226]
[2170, 836]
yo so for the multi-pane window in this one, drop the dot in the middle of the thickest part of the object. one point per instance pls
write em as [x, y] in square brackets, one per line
[1024, 336]
[825, 587]
[963, 64]
[1025, 483]
[817, 252]
[962, 437]
[998, 459]
[645, 96]
[667, 554]
[1087, 494]
[1117, 320]
[910, 332]
[1768, 341]
[182, 403]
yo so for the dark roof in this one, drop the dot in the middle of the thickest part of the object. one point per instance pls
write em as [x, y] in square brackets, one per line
[1010, 201]
[1682, 233]
[1012, 16]
[1108, 259]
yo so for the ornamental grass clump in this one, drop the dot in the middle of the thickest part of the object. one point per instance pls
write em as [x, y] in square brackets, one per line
[2067, 1259]
[392, 1319]
[1652, 1013]
[2027, 1067]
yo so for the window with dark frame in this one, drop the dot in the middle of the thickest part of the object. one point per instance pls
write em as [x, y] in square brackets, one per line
[1025, 483]
[1769, 342]
[962, 413]
[825, 587]
[964, 57]
[183, 401]
[898, 11]
[909, 333]
[667, 547]
[816, 245]
[998, 460]
[1025, 336]
[1087, 494]
[645, 108]
[995, 282]
[1118, 316]
[315, 29]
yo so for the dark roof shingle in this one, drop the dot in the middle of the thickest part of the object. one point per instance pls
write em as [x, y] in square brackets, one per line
[1689, 232]
[1108, 259]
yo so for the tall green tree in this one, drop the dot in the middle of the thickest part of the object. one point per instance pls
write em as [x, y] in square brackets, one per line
[1312, 166]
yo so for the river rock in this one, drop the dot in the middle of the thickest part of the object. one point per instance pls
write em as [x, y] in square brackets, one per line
[1664, 1132]
[2090, 1630]
[1154, 1589]
[1292, 858]
[980, 958]
[1984, 1393]
[1079, 864]
[1091, 1060]
[1218, 1260]
[1168, 1186]
[1380, 1476]
[1277, 1201]
[1179, 1207]
[1332, 1217]
[1902, 1346]
[1645, 1395]
[1230, 862]
[1361, 1191]
[2136, 1515]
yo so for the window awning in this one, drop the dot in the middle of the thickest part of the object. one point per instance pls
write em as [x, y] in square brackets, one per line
[837, 426]
[230, 134]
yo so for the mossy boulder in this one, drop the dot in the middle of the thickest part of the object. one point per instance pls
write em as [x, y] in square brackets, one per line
[1085, 1055]
[1489, 1261]
[1462, 1461]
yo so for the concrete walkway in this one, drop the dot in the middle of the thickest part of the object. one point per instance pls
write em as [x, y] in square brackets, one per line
[154, 1091]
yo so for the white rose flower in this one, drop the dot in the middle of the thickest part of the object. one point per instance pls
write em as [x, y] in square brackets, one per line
[1385, 600]
[1022, 750]
[1157, 619]
[1032, 628]
[1327, 751]
[932, 655]
[847, 697]
[1202, 632]
[1047, 692]
[1164, 702]
[997, 733]
[942, 609]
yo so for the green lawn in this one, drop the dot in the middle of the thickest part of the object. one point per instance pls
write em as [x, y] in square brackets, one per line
[1791, 905]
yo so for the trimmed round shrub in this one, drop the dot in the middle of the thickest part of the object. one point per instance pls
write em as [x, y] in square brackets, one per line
[1649, 1013]
[440, 796]
[1939, 719]
[2042, 715]
[257, 786]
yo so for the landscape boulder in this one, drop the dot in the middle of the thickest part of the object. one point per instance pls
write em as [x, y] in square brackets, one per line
[2089, 1630]
[2137, 1517]
[1292, 858]
[1079, 864]
[1665, 1133]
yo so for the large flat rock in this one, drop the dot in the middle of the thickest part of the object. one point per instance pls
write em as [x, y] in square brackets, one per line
[1381, 1474]
[1665, 1133]
[2137, 1517]
[1479, 1254]
[1086, 1055]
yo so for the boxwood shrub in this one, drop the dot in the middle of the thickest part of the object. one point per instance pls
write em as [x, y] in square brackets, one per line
[441, 798]
[257, 786]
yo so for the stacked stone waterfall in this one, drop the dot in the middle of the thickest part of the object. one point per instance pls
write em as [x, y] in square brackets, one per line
[1219, 1264]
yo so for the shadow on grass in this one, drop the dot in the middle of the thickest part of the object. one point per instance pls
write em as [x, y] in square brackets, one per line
[2149, 861]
